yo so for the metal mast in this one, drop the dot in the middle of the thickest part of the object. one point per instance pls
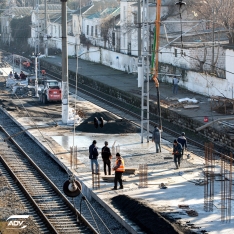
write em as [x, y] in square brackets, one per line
[65, 85]
[146, 72]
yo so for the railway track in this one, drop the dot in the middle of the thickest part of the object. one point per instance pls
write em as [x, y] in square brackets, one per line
[27, 150]
[57, 213]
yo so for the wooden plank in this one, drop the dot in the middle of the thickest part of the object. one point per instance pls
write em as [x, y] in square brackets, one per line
[190, 106]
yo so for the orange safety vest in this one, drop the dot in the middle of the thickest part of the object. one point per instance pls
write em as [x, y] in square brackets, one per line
[121, 168]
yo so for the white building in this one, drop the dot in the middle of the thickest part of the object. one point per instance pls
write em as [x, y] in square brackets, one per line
[99, 22]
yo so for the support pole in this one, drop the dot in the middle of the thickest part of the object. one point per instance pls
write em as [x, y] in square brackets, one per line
[140, 71]
[36, 80]
[46, 41]
[155, 77]
[65, 86]
[13, 60]
[145, 69]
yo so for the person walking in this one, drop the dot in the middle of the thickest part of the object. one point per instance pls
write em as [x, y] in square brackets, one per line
[93, 156]
[183, 141]
[156, 138]
[175, 85]
[106, 155]
[177, 148]
[119, 170]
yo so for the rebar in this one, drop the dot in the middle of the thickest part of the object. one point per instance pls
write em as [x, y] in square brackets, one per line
[95, 178]
[226, 187]
[209, 177]
[143, 176]
[73, 157]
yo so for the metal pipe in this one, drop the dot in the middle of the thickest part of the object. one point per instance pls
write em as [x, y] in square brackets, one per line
[155, 77]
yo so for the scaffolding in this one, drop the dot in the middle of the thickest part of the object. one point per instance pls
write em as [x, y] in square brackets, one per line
[146, 71]
[226, 187]
[95, 178]
[73, 157]
[143, 176]
[209, 177]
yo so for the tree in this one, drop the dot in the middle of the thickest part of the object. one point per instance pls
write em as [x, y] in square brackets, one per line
[220, 12]
[107, 24]
[21, 31]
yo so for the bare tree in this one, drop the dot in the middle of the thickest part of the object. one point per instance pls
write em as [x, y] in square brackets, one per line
[107, 24]
[220, 12]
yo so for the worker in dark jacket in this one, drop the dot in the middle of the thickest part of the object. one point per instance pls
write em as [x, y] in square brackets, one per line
[106, 155]
[156, 138]
[177, 149]
[119, 170]
[93, 156]
[183, 141]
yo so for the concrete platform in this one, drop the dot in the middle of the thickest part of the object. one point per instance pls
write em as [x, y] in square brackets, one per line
[181, 188]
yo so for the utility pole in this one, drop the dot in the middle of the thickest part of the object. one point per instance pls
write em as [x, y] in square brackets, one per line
[65, 86]
[145, 68]
[213, 40]
[140, 74]
[36, 76]
[46, 40]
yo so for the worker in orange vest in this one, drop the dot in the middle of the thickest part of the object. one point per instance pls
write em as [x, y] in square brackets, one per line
[119, 170]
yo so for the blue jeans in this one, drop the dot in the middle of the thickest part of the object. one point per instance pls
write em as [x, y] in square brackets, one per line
[158, 147]
[175, 88]
[94, 161]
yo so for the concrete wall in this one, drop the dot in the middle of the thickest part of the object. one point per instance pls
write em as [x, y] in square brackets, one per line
[109, 58]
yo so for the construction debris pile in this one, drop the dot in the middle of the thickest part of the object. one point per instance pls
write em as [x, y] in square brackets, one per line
[113, 125]
[186, 103]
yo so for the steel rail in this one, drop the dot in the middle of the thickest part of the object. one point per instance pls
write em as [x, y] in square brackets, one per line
[65, 200]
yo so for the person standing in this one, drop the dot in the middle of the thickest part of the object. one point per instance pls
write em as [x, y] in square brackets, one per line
[119, 170]
[106, 154]
[175, 85]
[16, 76]
[156, 138]
[183, 141]
[177, 148]
[10, 75]
[93, 156]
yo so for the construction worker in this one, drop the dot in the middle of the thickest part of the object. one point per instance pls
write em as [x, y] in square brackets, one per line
[156, 138]
[10, 75]
[93, 156]
[119, 170]
[177, 148]
[106, 155]
[43, 72]
[183, 141]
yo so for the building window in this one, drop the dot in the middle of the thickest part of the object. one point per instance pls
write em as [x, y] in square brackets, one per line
[87, 30]
[96, 30]
[91, 30]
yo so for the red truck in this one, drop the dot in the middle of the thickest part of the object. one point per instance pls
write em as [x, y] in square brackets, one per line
[50, 91]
